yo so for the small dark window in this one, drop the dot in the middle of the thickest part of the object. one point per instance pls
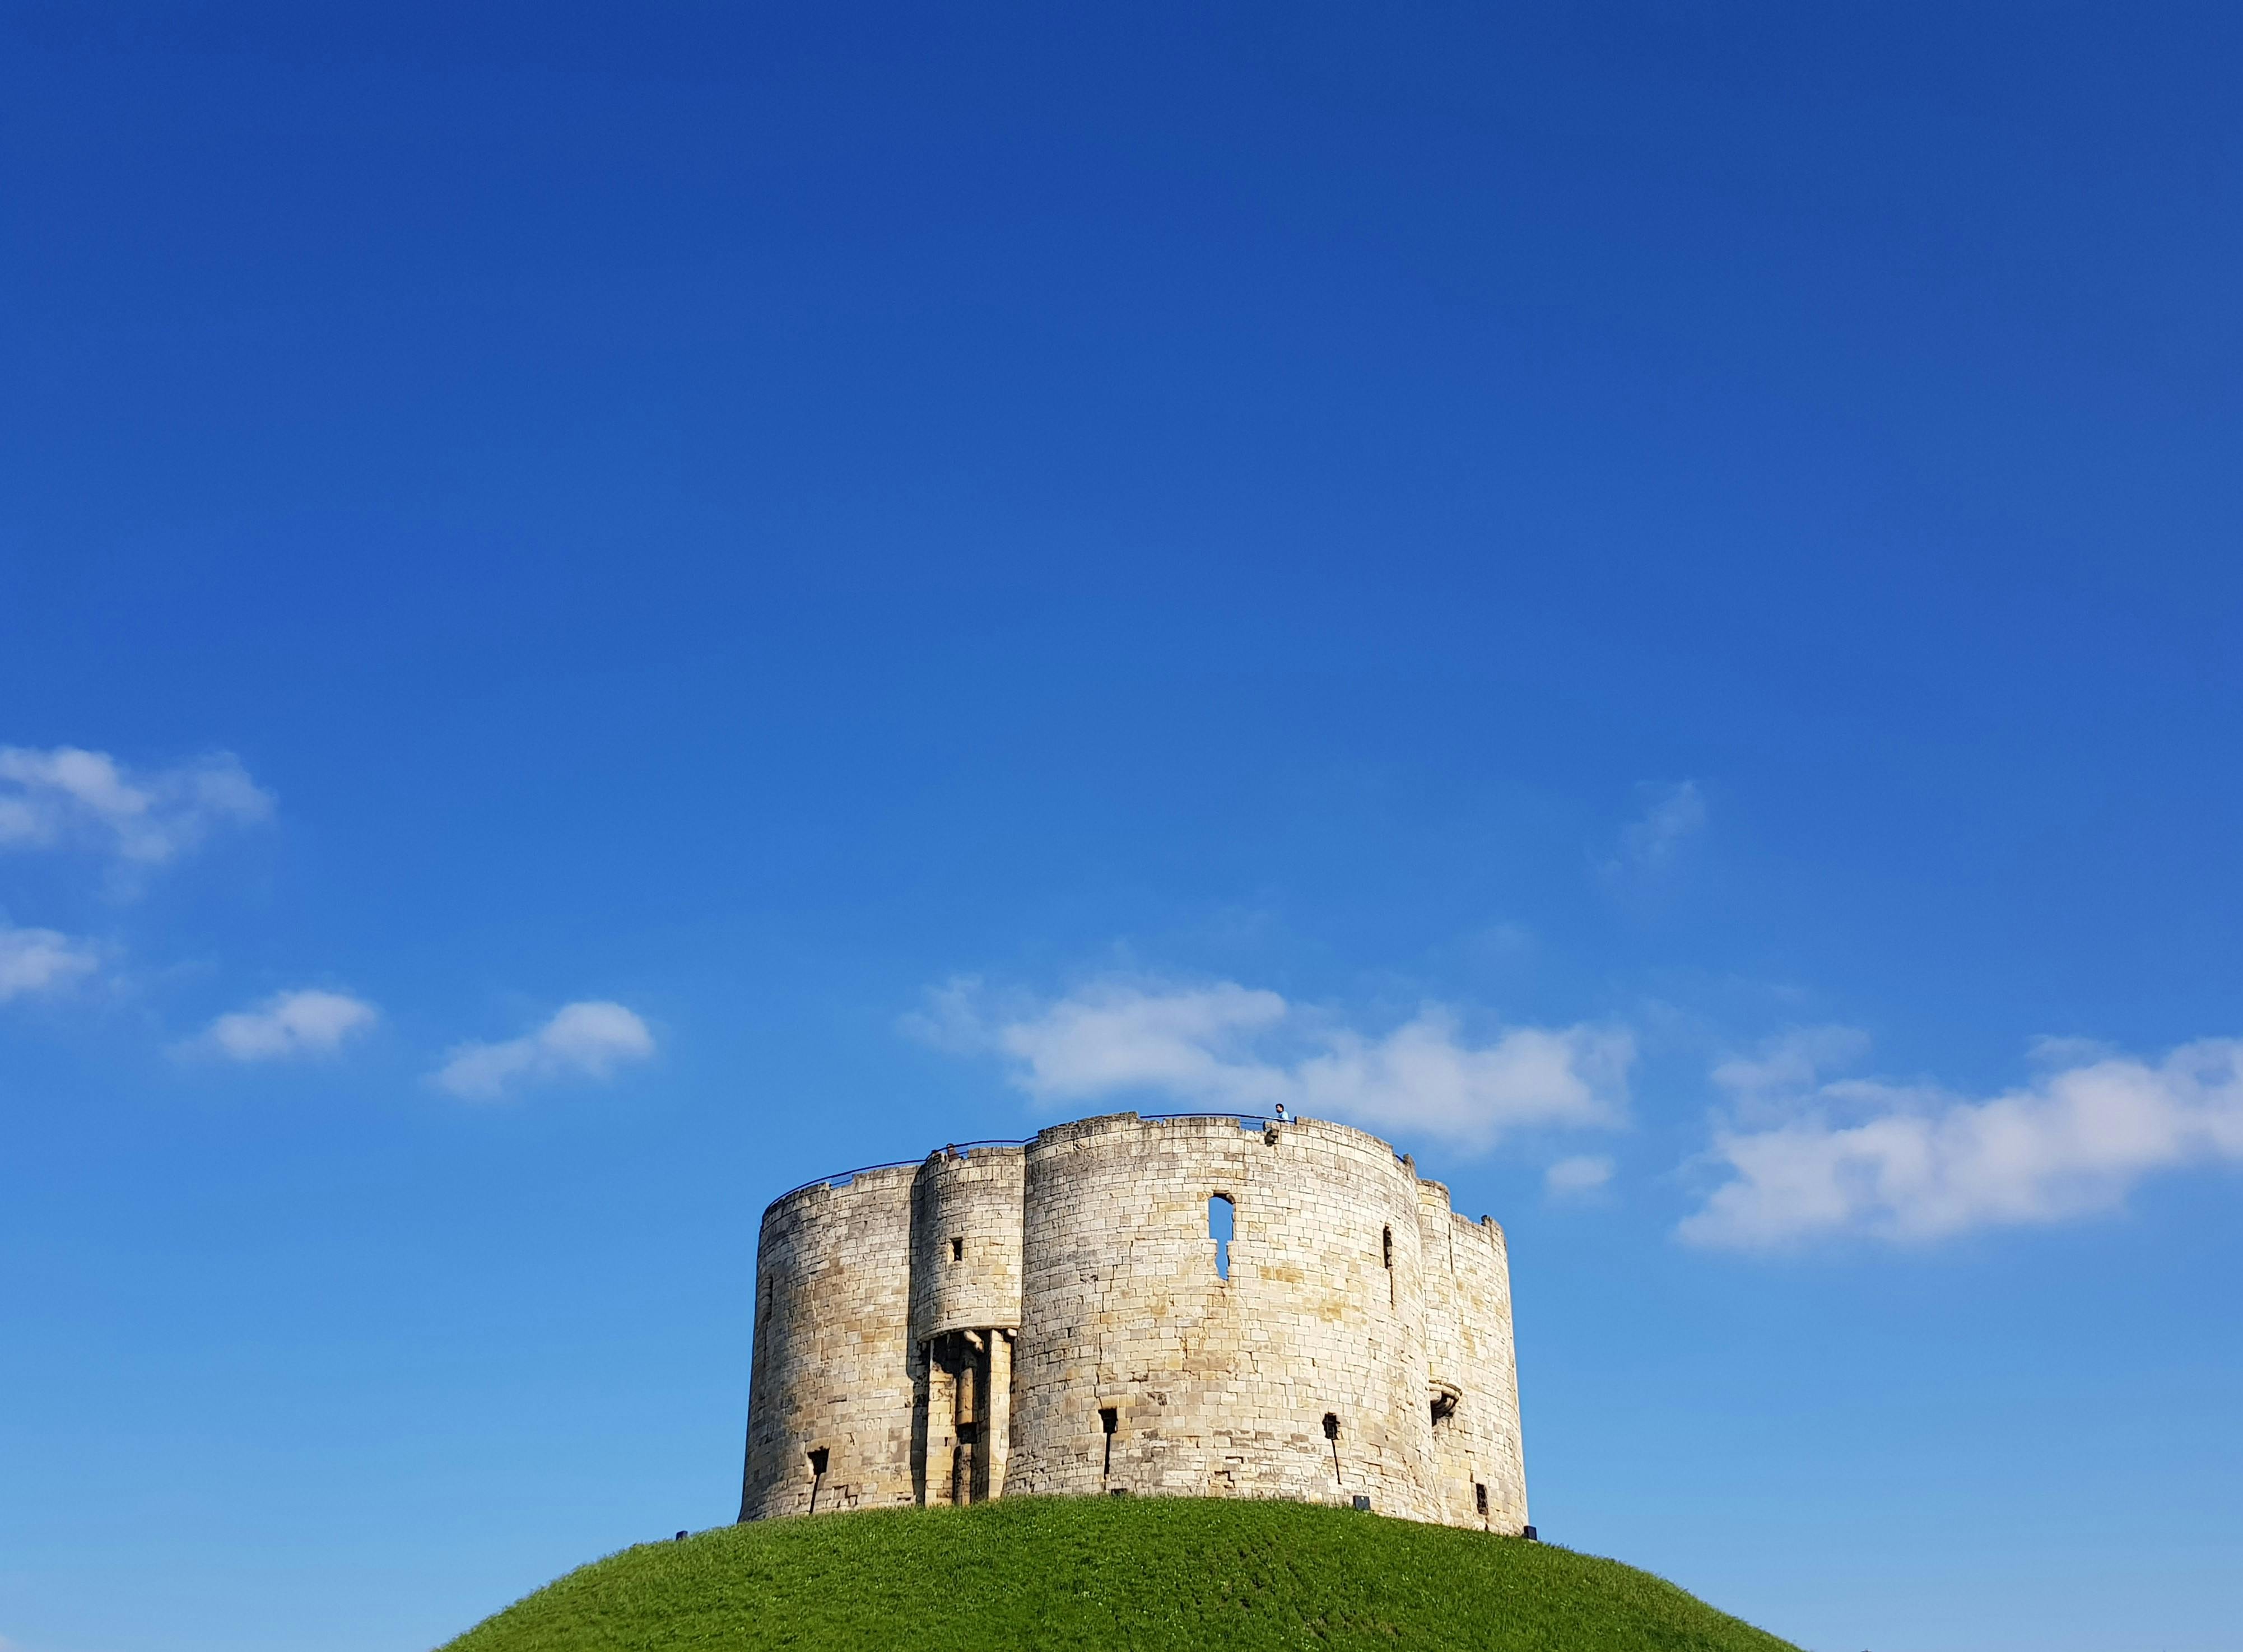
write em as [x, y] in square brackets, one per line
[818, 1459]
[1331, 1425]
[1479, 1496]
[1109, 1417]
[1386, 1243]
[957, 1249]
[1221, 1227]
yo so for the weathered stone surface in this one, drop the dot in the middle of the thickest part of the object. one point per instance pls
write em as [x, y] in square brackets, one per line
[835, 1368]
[1052, 1319]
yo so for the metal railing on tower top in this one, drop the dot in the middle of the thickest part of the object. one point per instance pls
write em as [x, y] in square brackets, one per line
[842, 1179]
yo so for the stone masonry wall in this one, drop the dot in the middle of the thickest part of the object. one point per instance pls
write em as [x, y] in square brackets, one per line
[834, 1365]
[1468, 1345]
[965, 1242]
[965, 1307]
[1220, 1387]
[1052, 1321]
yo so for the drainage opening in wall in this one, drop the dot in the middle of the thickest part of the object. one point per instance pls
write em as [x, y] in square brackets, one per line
[1221, 1227]
[1332, 1433]
[1109, 1418]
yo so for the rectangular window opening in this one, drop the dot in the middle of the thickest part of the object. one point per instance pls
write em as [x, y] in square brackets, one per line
[1479, 1496]
[1109, 1418]
[957, 1249]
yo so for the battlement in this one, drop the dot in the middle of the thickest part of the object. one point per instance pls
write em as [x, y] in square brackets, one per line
[1198, 1304]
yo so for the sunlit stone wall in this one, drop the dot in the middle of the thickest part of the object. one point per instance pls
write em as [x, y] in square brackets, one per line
[1057, 1319]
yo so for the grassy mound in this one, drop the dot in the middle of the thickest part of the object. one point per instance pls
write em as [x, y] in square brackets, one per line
[1107, 1572]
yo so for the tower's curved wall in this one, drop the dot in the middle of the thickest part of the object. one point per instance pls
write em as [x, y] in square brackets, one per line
[1220, 1387]
[965, 1242]
[834, 1365]
[1479, 1470]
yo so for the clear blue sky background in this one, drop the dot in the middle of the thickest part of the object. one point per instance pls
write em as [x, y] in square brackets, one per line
[1675, 526]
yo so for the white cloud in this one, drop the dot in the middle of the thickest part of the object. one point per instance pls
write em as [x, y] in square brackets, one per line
[588, 1040]
[33, 960]
[1900, 1163]
[1577, 1175]
[1228, 1048]
[304, 1022]
[67, 797]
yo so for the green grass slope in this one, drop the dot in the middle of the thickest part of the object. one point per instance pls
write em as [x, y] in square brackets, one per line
[1111, 1573]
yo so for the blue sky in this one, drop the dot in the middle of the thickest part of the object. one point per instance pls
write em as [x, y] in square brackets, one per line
[601, 613]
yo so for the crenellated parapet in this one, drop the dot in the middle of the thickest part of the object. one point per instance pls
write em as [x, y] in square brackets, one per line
[1183, 1306]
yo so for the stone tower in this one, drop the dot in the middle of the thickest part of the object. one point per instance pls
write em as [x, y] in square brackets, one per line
[1059, 1317]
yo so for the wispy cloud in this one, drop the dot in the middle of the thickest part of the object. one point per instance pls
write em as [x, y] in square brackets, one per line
[587, 1040]
[71, 798]
[1571, 1178]
[1230, 1048]
[304, 1022]
[1868, 1159]
[37, 960]
[1672, 815]
[1769, 1080]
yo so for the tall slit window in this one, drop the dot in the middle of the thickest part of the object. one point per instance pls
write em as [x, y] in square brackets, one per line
[1222, 1226]
[1386, 1248]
